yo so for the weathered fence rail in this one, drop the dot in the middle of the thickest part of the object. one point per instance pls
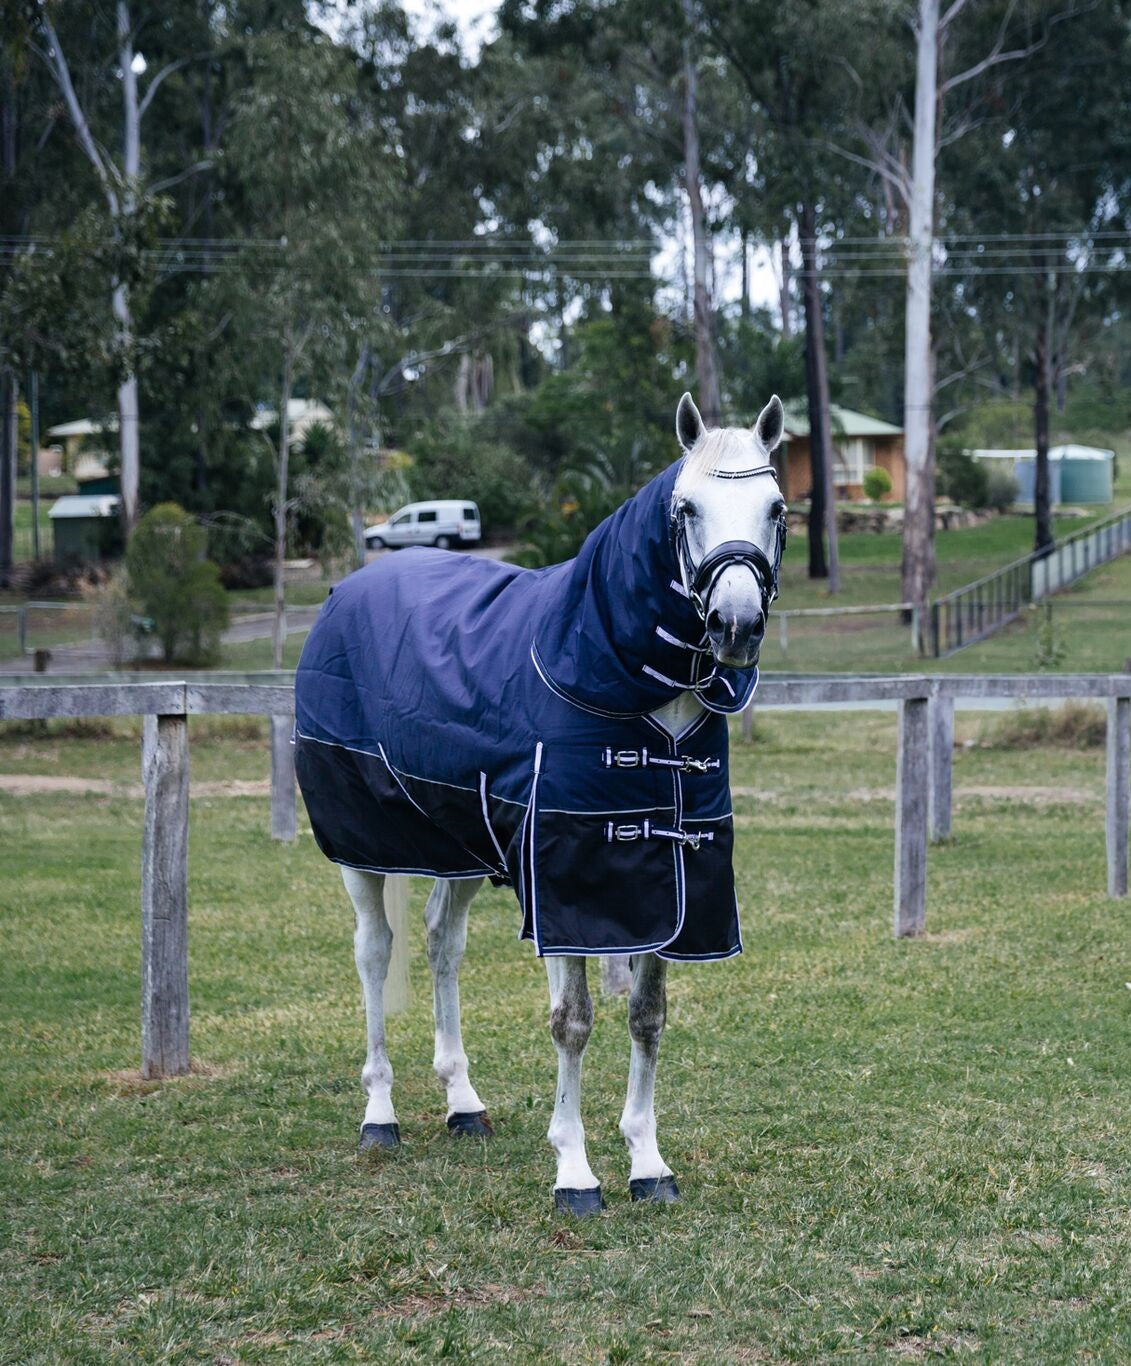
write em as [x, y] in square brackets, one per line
[922, 807]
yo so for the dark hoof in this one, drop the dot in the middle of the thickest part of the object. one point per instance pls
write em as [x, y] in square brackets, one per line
[659, 1190]
[581, 1203]
[379, 1136]
[474, 1125]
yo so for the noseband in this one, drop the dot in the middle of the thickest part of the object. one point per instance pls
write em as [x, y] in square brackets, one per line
[701, 579]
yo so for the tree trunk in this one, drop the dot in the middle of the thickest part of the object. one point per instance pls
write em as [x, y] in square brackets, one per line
[784, 291]
[279, 635]
[710, 401]
[128, 413]
[9, 434]
[822, 498]
[1043, 538]
[918, 519]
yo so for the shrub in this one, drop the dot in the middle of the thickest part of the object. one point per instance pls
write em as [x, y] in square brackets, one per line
[961, 478]
[1075, 725]
[1001, 490]
[877, 484]
[175, 586]
[454, 460]
[114, 616]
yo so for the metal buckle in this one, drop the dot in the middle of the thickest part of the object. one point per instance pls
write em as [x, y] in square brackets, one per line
[691, 840]
[624, 833]
[698, 765]
[626, 758]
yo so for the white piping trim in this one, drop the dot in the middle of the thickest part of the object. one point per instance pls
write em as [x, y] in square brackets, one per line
[487, 820]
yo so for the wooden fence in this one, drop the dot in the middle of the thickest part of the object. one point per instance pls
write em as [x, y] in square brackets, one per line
[922, 800]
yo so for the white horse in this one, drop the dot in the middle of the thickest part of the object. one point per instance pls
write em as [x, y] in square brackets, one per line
[726, 525]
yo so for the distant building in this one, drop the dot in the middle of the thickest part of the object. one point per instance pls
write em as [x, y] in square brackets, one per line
[303, 413]
[859, 443]
[72, 438]
[85, 526]
[1077, 474]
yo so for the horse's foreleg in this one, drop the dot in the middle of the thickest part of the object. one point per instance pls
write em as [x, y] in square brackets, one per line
[372, 945]
[576, 1189]
[446, 918]
[650, 1177]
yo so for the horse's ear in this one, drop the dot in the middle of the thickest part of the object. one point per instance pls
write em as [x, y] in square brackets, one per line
[771, 423]
[688, 423]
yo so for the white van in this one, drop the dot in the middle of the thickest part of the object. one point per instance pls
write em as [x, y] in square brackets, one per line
[443, 524]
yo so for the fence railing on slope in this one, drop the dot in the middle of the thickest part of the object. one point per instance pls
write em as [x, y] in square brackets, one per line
[978, 609]
[922, 795]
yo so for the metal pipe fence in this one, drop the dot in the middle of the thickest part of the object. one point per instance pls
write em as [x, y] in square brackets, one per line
[978, 609]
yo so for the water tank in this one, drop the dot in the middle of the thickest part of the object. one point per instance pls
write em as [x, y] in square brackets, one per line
[1025, 472]
[1086, 473]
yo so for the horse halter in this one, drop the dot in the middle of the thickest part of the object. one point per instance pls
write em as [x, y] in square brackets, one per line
[700, 580]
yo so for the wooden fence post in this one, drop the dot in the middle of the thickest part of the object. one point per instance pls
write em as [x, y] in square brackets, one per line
[616, 975]
[396, 912]
[1118, 784]
[942, 764]
[164, 898]
[282, 778]
[911, 783]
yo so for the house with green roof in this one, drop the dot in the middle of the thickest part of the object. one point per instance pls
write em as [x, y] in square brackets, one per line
[859, 443]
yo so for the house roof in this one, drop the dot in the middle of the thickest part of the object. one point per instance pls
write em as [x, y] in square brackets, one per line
[85, 505]
[845, 422]
[83, 427]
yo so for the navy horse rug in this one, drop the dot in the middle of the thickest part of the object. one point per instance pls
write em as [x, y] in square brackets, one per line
[464, 718]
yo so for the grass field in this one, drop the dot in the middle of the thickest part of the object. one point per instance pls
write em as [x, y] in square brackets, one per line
[887, 1150]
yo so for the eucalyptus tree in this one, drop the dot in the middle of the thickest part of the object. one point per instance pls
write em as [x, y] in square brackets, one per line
[794, 65]
[639, 134]
[1052, 182]
[316, 183]
[128, 191]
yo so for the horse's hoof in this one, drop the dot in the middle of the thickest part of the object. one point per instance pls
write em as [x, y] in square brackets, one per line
[471, 1125]
[578, 1202]
[379, 1136]
[657, 1190]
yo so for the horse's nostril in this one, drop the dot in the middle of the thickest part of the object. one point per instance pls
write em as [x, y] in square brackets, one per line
[715, 623]
[758, 626]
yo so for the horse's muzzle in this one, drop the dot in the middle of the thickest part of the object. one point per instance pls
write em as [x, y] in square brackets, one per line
[736, 641]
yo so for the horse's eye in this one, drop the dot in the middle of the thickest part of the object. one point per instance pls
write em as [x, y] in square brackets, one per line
[778, 509]
[688, 509]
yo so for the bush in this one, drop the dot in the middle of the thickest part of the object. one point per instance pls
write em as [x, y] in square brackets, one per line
[877, 484]
[175, 586]
[962, 478]
[1001, 490]
[1075, 725]
[453, 460]
[114, 617]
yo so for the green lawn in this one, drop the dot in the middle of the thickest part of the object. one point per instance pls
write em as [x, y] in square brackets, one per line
[887, 1150]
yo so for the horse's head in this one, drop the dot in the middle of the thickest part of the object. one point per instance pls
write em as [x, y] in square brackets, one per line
[729, 518]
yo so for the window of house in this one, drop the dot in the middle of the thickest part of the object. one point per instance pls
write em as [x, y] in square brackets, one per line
[852, 455]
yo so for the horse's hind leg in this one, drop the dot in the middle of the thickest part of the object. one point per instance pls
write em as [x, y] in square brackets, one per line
[650, 1177]
[576, 1189]
[446, 918]
[372, 945]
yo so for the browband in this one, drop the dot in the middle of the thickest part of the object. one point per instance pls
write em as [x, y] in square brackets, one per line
[744, 474]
